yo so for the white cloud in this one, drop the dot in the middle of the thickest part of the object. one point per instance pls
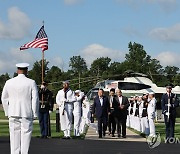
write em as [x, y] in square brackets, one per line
[17, 27]
[9, 59]
[94, 51]
[59, 62]
[169, 58]
[166, 5]
[72, 2]
[171, 34]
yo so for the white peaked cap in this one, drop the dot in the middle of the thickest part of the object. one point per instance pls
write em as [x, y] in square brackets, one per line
[77, 91]
[151, 93]
[66, 82]
[22, 65]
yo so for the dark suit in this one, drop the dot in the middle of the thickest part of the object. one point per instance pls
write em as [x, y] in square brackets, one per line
[121, 115]
[111, 120]
[101, 113]
[170, 124]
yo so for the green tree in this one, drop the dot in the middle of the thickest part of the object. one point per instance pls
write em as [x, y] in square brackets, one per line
[36, 71]
[3, 79]
[171, 72]
[137, 58]
[78, 64]
[100, 66]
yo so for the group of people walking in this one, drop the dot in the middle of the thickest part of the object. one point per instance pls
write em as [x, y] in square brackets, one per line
[22, 103]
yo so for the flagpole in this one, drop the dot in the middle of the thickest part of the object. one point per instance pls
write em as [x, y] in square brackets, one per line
[42, 77]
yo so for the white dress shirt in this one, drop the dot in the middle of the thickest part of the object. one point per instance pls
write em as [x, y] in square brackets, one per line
[101, 100]
[120, 99]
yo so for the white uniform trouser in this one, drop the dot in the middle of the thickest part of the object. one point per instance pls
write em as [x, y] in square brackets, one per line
[77, 120]
[152, 127]
[20, 134]
[137, 123]
[128, 121]
[66, 119]
[144, 125]
[85, 120]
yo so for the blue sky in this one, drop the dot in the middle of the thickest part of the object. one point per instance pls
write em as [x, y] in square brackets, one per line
[90, 28]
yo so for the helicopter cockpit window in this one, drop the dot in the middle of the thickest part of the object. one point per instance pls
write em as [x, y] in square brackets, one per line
[132, 86]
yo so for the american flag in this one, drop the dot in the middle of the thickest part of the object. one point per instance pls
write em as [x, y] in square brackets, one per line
[40, 41]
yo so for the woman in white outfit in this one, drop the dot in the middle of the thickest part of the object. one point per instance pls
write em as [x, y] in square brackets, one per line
[77, 111]
[85, 120]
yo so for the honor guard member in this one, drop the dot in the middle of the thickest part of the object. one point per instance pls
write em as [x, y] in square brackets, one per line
[45, 107]
[143, 115]
[77, 111]
[131, 114]
[111, 120]
[65, 99]
[151, 109]
[137, 124]
[169, 103]
[21, 105]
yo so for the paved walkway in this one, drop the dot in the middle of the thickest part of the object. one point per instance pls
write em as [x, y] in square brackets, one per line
[130, 136]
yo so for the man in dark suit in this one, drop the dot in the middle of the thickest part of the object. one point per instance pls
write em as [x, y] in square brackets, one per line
[169, 103]
[101, 108]
[121, 113]
[111, 120]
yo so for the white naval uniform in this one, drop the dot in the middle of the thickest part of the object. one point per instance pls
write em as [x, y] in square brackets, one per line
[151, 116]
[21, 104]
[77, 114]
[85, 120]
[66, 107]
[144, 120]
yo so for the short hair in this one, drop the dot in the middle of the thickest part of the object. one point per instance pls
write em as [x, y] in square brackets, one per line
[101, 89]
[112, 89]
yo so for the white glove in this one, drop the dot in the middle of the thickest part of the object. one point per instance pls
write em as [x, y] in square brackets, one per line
[167, 113]
[50, 112]
[42, 86]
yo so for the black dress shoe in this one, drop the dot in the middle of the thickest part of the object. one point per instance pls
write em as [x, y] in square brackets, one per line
[64, 137]
[113, 135]
[124, 136]
[68, 137]
[119, 135]
[100, 136]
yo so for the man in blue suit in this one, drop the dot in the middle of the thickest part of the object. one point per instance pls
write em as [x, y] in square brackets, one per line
[101, 108]
[169, 103]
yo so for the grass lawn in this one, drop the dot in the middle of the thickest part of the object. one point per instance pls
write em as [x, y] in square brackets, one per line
[4, 127]
[160, 128]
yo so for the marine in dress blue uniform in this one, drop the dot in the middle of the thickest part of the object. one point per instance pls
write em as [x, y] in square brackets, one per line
[169, 114]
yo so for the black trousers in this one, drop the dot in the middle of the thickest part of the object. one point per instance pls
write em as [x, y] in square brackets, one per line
[121, 126]
[169, 126]
[111, 122]
[102, 125]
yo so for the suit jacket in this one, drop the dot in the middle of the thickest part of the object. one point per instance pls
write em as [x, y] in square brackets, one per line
[173, 101]
[20, 97]
[121, 113]
[101, 111]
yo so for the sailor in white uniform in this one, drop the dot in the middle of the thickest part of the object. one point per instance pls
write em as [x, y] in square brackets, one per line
[77, 111]
[151, 113]
[21, 105]
[65, 99]
[143, 115]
